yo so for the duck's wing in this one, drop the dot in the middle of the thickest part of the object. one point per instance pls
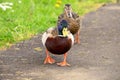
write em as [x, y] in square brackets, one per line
[51, 32]
[76, 17]
[55, 31]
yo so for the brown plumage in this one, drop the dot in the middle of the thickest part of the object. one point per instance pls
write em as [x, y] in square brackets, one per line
[58, 45]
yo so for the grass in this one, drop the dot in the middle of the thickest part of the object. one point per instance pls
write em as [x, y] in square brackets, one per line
[30, 17]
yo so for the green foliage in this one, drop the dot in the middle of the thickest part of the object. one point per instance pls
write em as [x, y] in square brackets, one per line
[30, 17]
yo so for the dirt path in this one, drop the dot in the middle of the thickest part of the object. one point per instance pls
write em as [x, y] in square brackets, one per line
[97, 58]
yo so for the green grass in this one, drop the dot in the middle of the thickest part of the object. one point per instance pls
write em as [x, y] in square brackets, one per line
[32, 17]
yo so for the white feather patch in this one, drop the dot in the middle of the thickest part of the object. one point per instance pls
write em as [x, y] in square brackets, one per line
[71, 37]
[46, 35]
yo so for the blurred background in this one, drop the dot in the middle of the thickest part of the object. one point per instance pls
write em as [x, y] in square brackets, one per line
[22, 19]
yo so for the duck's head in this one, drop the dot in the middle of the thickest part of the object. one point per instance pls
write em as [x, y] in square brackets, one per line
[63, 28]
[68, 10]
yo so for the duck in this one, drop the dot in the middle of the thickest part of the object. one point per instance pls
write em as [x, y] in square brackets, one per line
[57, 40]
[73, 20]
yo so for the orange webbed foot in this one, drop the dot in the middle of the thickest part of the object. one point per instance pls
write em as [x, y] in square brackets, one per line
[63, 64]
[49, 60]
[77, 41]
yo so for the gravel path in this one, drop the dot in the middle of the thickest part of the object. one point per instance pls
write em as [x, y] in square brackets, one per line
[96, 58]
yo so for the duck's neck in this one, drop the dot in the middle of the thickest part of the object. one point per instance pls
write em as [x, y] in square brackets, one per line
[60, 33]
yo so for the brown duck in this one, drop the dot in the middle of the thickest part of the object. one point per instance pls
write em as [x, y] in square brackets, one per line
[73, 20]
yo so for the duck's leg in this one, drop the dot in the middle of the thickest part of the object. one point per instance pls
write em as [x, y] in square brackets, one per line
[48, 59]
[77, 40]
[64, 63]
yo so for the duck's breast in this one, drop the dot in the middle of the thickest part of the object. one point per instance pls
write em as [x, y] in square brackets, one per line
[58, 45]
